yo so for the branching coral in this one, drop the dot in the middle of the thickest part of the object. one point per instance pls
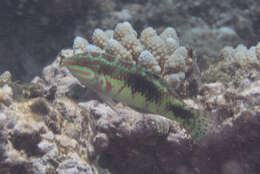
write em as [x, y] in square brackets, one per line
[241, 54]
[158, 53]
[238, 64]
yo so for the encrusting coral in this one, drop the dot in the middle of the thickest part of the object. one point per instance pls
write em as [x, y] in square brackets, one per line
[158, 53]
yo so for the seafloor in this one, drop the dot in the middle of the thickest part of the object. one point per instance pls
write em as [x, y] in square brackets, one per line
[207, 51]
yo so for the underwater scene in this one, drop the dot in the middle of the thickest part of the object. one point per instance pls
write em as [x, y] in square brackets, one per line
[129, 87]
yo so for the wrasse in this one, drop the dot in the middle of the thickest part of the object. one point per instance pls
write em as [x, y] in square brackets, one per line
[136, 87]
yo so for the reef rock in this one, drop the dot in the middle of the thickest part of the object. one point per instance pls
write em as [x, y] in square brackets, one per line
[42, 136]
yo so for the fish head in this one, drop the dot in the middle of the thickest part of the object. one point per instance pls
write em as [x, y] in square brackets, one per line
[82, 66]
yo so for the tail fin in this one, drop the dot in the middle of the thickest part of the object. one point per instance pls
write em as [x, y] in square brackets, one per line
[198, 123]
[201, 124]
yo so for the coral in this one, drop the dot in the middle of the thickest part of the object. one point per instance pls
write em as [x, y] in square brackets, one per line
[123, 29]
[99, 38]
[147, 60]
[240, 54]
[236, 65]
[79, 44]
[6, 95]
[5, 78]
[115, 48]
[158, 53]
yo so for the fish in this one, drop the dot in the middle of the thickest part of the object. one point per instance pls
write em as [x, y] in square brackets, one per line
[137, 87]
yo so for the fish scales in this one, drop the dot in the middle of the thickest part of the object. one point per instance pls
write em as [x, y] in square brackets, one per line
[137, 87]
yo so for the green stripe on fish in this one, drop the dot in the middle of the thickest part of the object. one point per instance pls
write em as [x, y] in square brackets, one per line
[137, 87]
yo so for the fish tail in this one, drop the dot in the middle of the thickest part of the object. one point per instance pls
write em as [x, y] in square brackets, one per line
[202, 125]
[198, 123]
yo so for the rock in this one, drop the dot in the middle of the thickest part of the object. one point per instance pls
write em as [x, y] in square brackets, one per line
[35, 137]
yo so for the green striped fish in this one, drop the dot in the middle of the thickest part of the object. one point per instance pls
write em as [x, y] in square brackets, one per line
[137, 87]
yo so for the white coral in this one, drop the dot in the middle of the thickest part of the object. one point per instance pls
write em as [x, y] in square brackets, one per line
[160, 53]
[79, 45]
[147, 60]
[115, 48]
[99, 38]
[175, 79]
[123, 29]
[169, 32]
[93, 48]
[241, 54]
[171, 45]
[177, 61]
